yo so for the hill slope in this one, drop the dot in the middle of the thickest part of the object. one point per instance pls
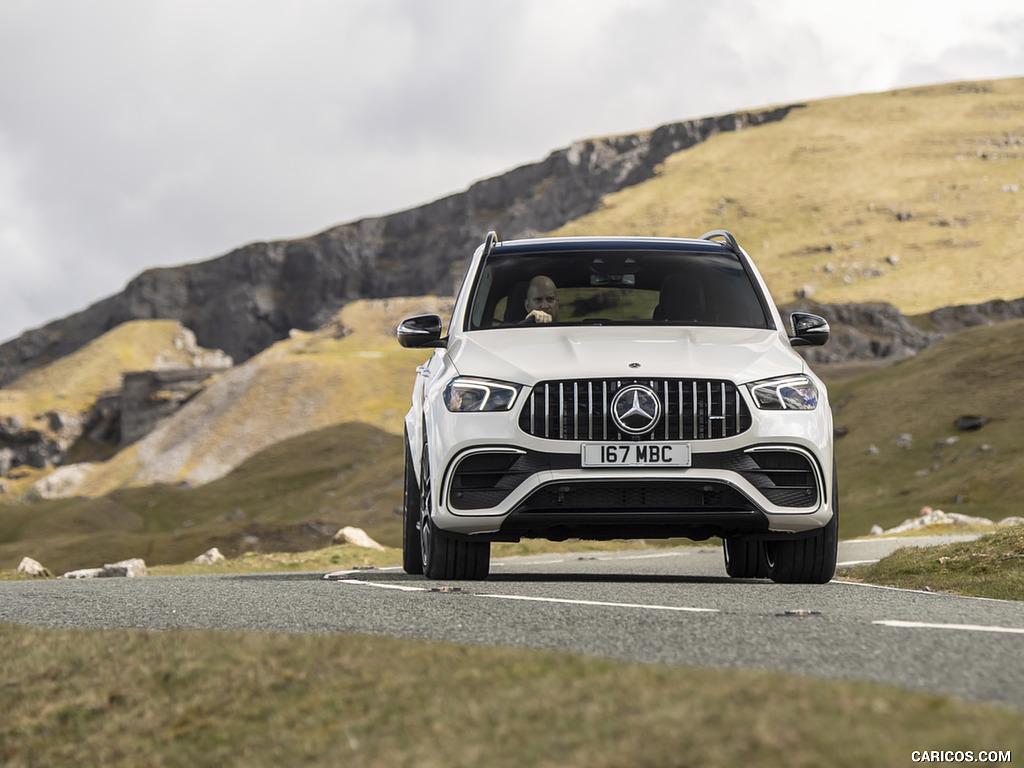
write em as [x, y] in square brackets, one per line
[903, 450]
[350, 370]
[912, 197]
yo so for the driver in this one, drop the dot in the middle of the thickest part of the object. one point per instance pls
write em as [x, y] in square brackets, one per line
[541, 301]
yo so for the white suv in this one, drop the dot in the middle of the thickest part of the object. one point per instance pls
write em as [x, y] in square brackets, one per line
[607, 388]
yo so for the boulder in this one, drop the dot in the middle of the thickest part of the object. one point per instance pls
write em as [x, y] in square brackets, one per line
[970, 423]
[131, 568]
[83, 573]
[32, 567]
[209, 557]
[356, 536]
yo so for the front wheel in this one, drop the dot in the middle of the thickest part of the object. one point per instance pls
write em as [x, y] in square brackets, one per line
[745, 558]
[809, 559]
[445, 556]
[412, 559]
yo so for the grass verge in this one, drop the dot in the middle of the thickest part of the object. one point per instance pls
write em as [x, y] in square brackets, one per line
[130, 698]
[990, 566]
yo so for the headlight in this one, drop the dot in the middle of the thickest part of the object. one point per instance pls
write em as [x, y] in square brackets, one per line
[465, 394]
[791, 393]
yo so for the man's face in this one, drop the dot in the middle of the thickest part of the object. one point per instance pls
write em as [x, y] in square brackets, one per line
[541, 295]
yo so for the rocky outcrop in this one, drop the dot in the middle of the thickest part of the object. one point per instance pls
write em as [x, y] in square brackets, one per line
[147, 397]
[42, 443]
[879, 331]
[864, 332]
[246, 300]
[55, 411]
[949, 320]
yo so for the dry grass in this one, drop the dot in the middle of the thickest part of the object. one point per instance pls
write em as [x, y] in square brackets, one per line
[131, 698]
[823, 198]
[991, 566]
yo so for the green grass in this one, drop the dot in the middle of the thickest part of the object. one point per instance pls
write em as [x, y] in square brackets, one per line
[129, 698]
[991, 566]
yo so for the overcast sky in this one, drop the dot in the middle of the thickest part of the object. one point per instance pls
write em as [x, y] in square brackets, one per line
[142, 133]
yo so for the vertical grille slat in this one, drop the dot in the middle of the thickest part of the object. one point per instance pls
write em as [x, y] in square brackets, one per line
[547, 413]
[692, 409]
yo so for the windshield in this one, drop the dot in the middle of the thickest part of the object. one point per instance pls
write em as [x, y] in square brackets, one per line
[655, 287]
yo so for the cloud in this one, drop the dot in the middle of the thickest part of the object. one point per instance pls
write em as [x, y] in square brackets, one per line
[137, 134]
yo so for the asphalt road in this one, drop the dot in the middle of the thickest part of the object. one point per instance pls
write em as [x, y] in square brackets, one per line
[654, 606]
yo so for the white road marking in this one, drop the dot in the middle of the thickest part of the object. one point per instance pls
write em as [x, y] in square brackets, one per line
[917, 591]
[341, 577]
[399, 587]
[962, 627]
[848, 563]
[603, 604]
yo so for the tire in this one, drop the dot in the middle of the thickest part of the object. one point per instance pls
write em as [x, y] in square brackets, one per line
[412, 558]
[808, 559]
[444, 556]
[745, 558]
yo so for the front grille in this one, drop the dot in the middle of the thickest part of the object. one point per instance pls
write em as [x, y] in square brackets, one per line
[691, 409]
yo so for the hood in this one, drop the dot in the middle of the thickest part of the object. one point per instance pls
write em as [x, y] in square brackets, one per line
[528, 355]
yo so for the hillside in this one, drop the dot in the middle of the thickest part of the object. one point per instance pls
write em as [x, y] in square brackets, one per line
[45, 412]
[902, 450]
[349, 370]
[911, 197]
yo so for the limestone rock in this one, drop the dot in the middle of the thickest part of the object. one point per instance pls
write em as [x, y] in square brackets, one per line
[209, 557]
[32, 567]
[83, 573]
[929, 518]
[356, 536]
[132, 568]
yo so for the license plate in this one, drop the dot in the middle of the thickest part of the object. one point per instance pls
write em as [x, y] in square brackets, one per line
[636, 455]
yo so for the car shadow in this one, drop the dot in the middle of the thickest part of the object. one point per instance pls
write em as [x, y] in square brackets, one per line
[401, 578]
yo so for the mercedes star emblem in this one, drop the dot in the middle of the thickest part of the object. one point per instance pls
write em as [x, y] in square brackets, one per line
[635, 409]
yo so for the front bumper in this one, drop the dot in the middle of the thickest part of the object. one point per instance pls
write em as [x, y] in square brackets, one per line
[497, 480]
[510, 493]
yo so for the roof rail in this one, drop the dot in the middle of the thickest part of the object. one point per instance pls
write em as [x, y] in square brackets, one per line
[489, 242]
[730, 241]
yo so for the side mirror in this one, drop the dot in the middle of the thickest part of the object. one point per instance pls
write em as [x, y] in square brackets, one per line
[421, 331]
[808, 330]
